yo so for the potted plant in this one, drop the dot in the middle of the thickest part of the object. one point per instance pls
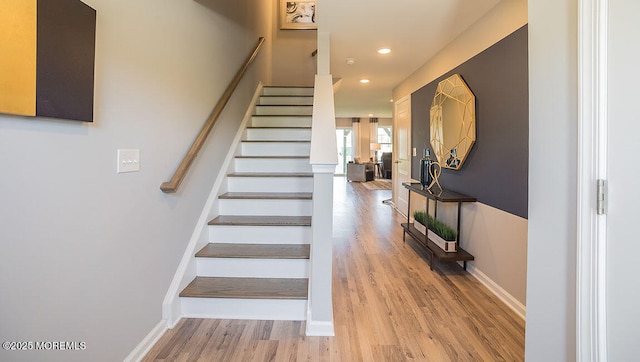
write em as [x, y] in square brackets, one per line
[420, 223]
[442, 235]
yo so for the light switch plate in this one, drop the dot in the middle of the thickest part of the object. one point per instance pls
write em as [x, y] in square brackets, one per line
[414, 152]
[128, 160]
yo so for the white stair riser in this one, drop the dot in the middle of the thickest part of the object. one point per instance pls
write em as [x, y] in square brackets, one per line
[255, 309]
[265, 207]
[295, 165]
[276, 148]
[286, 100]
[270, 184]
[296, 112]
[252, 268]
[283, 110]
[287, 91]
[281, 121]
[260, 234]
[278, 134]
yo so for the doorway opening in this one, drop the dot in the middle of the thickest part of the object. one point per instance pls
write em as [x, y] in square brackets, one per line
[344, 136]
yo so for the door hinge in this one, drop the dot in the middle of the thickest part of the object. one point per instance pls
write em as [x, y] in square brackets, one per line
[601, 201]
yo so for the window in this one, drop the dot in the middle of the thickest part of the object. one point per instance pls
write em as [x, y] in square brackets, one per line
[385, 138]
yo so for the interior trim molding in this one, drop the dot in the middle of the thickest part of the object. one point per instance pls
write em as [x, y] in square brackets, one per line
[591, 328]
[318, 328]
[396, 187]
[515, 305]
[147, 343]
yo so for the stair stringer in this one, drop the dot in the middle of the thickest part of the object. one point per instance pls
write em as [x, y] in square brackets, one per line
[186, 271]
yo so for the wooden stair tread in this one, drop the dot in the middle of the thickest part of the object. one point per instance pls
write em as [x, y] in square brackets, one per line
[282, 115]
[287, 95]
[284, 105]
[254, 220]
[270, 174]
[255, 251]
[288, 86]
[279, 127]
[275, 157]
[267, 195]
[272, 141]
[246, 288]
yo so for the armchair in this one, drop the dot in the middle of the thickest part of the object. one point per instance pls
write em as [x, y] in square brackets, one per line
[360, 171]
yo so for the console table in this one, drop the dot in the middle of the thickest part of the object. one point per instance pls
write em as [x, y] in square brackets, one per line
[434, 250]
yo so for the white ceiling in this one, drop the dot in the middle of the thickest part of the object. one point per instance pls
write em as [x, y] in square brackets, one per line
[415, 30]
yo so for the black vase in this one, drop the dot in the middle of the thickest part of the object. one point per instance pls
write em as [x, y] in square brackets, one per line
[425, 165]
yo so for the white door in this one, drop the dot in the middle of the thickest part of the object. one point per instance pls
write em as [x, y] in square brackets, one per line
[401, 153]
[623, 241]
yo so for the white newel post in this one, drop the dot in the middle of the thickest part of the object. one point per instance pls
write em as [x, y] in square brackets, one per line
[323, 159]
[320, 305]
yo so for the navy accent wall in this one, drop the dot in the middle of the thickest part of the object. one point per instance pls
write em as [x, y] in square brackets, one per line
[496, 169]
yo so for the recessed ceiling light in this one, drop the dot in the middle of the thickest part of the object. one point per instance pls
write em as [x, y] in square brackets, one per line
[364, 81]
[350, 61]
[384, 51]
[370, 114]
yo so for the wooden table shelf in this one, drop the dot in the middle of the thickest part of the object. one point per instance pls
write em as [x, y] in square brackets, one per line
[432, 248]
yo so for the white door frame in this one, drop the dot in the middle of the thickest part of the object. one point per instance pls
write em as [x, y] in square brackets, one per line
[395, 179]
[591, 328]
[344, 168]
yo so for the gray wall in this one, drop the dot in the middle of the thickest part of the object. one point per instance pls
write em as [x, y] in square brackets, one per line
[553, 85]
[291, 61]
[623, 285]
[88, 254]
[496, 169]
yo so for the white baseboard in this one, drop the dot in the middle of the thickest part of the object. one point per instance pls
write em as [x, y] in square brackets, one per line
[173, 323]
[147, 343]
[319, 329]
[519, 308]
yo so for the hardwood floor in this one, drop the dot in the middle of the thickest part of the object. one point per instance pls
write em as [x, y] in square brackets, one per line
[388, 305]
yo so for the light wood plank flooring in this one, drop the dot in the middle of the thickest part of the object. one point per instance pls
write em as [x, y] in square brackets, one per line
[388, 305]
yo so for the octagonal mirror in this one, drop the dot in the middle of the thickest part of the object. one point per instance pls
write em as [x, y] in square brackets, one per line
[453, 122]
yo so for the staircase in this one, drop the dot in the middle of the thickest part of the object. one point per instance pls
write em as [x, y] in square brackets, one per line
[256, 265]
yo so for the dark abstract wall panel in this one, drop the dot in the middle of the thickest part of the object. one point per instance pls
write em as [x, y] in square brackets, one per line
[48, 56]
[496, 170]
[65, 62]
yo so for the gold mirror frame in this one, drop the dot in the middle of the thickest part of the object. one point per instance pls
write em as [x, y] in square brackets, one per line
[453, 122]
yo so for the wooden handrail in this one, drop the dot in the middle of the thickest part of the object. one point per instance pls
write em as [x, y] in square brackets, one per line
[172, 185]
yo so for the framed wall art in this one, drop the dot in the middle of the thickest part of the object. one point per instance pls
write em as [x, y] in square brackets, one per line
[47, 58]
[298, 14]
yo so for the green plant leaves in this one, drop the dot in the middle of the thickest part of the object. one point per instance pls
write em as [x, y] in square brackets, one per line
[441, 229]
